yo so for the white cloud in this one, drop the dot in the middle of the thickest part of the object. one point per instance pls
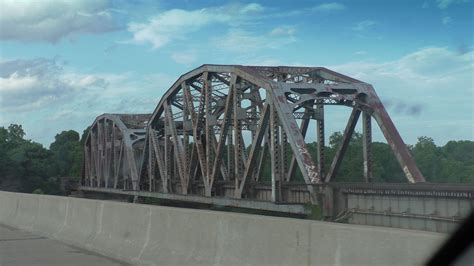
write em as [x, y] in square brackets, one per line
[330, 7]
[435, 83]
[252, 8]
[283, 30]
[429, 66]
[364, 25]
[237, 40]
[175, 24]
[31, 84]
[446, 20]
[184, 58]
[52, 20]
[241, 41]
[44, 92]
[443, 4]
[14, 83]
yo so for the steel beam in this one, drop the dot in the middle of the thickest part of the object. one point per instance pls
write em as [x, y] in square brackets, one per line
[367, 146]
[195, 139]
[346, 138]
[254, 150]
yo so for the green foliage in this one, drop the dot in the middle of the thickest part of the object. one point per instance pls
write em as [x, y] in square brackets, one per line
[67, 153]
[27, 166]
[15, 134]
[38, 191]
[385, 167]
[453, 162]
[24, 164]
[152, 201]
[315, 212]
[84, 135]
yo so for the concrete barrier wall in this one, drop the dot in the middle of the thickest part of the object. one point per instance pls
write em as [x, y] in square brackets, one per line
[435, 214]
[155, 235]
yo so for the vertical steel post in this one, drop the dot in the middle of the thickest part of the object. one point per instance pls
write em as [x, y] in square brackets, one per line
[275, 154]
[151, 166]
[230, 153]
[208, 126]
[320, 138]
[238, 140]
[168, 156]
[284, 154]
[367, 145]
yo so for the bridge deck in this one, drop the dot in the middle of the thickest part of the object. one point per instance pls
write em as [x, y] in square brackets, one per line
[220, 201]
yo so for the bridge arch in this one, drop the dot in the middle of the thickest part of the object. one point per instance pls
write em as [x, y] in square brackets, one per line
[214, 128]
[113, 151]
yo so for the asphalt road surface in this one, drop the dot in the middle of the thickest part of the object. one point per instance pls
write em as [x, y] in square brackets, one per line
[22, 248]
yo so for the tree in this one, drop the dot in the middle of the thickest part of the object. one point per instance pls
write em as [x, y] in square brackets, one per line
[67, 153]
[385, 167]
[457, 161]
[25, 165]
[15, 134]
[351, 167]
[4, 159]
[426, 155]
[30, 165]
[85, 132]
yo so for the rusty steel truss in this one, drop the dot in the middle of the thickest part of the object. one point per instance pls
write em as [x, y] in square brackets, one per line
[113, 151]
[213, 130]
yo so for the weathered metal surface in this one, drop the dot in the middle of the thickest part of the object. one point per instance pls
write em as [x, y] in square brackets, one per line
[212, 126]
[214, 130]
[429, 207]
[113, 150]
[217, 201]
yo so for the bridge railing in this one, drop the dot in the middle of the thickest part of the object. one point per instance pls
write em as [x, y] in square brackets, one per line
[429, 206]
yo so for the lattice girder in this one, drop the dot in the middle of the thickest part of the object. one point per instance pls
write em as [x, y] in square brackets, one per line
[212, 130]
[113, 150]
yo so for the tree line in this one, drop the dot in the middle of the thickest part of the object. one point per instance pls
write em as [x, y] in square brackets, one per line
[27, 166]
[451, 163]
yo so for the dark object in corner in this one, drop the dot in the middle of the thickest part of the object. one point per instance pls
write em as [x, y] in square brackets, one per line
[459, 248]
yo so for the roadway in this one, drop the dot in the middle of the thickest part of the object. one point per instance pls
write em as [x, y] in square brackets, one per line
[23, 248]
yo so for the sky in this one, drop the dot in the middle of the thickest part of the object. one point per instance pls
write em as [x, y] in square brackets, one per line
[63, 63]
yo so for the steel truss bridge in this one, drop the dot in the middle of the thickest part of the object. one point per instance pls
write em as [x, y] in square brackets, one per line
[213, 131]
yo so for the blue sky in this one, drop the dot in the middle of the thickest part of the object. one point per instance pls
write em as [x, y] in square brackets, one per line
[62, 63]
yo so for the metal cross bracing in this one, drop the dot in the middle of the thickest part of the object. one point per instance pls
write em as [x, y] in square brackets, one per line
[113, 151]
[213, 130]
